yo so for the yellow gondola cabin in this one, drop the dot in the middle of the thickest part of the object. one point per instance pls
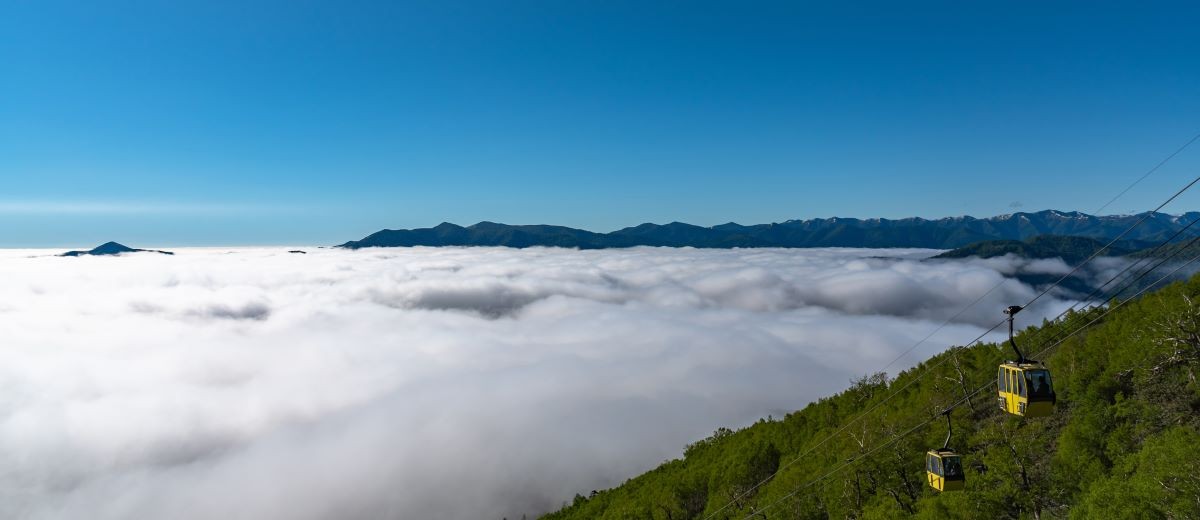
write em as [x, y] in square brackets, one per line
[1025, 389]
[943, 469]
[1024, 386]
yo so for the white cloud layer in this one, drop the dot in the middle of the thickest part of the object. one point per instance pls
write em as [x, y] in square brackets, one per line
[430, 383]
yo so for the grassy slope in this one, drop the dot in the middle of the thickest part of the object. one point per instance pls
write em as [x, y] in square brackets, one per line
[1123, 442]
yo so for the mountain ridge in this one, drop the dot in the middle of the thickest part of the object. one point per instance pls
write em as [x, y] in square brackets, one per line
[943, 233]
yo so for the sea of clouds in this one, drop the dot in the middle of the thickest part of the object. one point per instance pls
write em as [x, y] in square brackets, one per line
[451, 383]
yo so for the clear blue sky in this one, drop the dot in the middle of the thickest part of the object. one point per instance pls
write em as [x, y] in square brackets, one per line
[210, 122]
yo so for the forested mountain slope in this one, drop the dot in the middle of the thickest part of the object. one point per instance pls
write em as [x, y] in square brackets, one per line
[1123, 441]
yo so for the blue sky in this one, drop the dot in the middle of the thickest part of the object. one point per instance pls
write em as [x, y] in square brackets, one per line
[206, 123]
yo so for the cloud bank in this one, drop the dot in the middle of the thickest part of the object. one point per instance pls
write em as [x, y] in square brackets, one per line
[431, 383]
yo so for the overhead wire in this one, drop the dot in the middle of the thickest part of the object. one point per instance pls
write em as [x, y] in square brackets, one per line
[1147, 174]
[978, 338]
[1132, 282]
[1149, 255]
[854, 460]
[1139, 222]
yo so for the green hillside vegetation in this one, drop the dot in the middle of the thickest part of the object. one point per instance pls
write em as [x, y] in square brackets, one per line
[1124, 441]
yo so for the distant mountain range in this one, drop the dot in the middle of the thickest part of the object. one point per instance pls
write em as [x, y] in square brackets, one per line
[945, 233]
[112, 248]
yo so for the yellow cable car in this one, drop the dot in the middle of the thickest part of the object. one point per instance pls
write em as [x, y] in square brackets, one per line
[944, 470]
[1024, 386]
[943, 467]
[1025, 389]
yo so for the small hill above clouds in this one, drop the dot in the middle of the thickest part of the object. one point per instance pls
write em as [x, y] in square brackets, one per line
[1075, 249]
[1179, 250]
[112, 249]
[944, 233]
[1071, 249]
